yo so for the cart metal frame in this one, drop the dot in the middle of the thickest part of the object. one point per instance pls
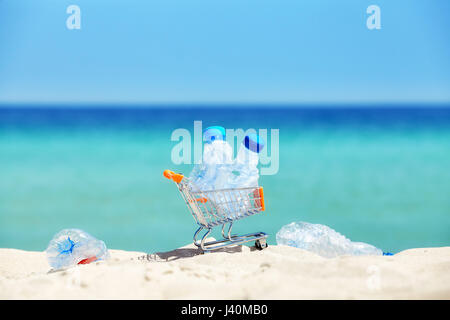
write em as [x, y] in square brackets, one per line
[221, 208]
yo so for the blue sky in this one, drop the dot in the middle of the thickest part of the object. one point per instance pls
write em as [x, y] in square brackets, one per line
[243, 51]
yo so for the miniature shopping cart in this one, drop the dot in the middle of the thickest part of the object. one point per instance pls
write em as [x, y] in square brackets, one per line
[221, 208]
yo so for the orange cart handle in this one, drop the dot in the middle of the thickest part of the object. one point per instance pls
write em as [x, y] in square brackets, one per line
[176, 177]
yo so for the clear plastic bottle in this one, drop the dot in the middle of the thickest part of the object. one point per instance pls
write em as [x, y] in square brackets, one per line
[322, 240]
[243, 173]
[213, 173]
[70, 247]
[245, 166]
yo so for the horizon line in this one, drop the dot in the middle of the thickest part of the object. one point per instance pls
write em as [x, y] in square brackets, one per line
[216, 104]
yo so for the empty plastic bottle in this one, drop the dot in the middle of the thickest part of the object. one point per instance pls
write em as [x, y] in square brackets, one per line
[70, 247]
[243, 173]
[322, 240]
[214, 171]
[245, 166]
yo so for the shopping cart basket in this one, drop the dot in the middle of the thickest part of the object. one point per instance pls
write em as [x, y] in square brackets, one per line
[221, 208]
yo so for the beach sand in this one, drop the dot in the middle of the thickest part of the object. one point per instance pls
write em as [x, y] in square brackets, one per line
[242, 272]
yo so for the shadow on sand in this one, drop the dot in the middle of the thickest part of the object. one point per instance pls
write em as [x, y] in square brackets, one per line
[188, 252]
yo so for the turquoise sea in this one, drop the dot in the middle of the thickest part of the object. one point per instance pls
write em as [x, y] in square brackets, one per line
[377, 175]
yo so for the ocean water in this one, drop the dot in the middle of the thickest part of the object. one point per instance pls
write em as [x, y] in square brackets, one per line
[377, 175]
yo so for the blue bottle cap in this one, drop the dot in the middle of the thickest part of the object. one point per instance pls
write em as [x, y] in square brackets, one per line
[254, 143]
[213, 133]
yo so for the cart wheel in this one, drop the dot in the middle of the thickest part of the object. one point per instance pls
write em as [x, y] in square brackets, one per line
[261, 244]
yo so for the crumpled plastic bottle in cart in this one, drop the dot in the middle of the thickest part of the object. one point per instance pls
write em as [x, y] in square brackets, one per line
[245, 166]
[244, 174]
[214, 171]
[322, 240]
[70, 247]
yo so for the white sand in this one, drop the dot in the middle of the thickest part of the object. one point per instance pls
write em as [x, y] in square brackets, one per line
[277, 272]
